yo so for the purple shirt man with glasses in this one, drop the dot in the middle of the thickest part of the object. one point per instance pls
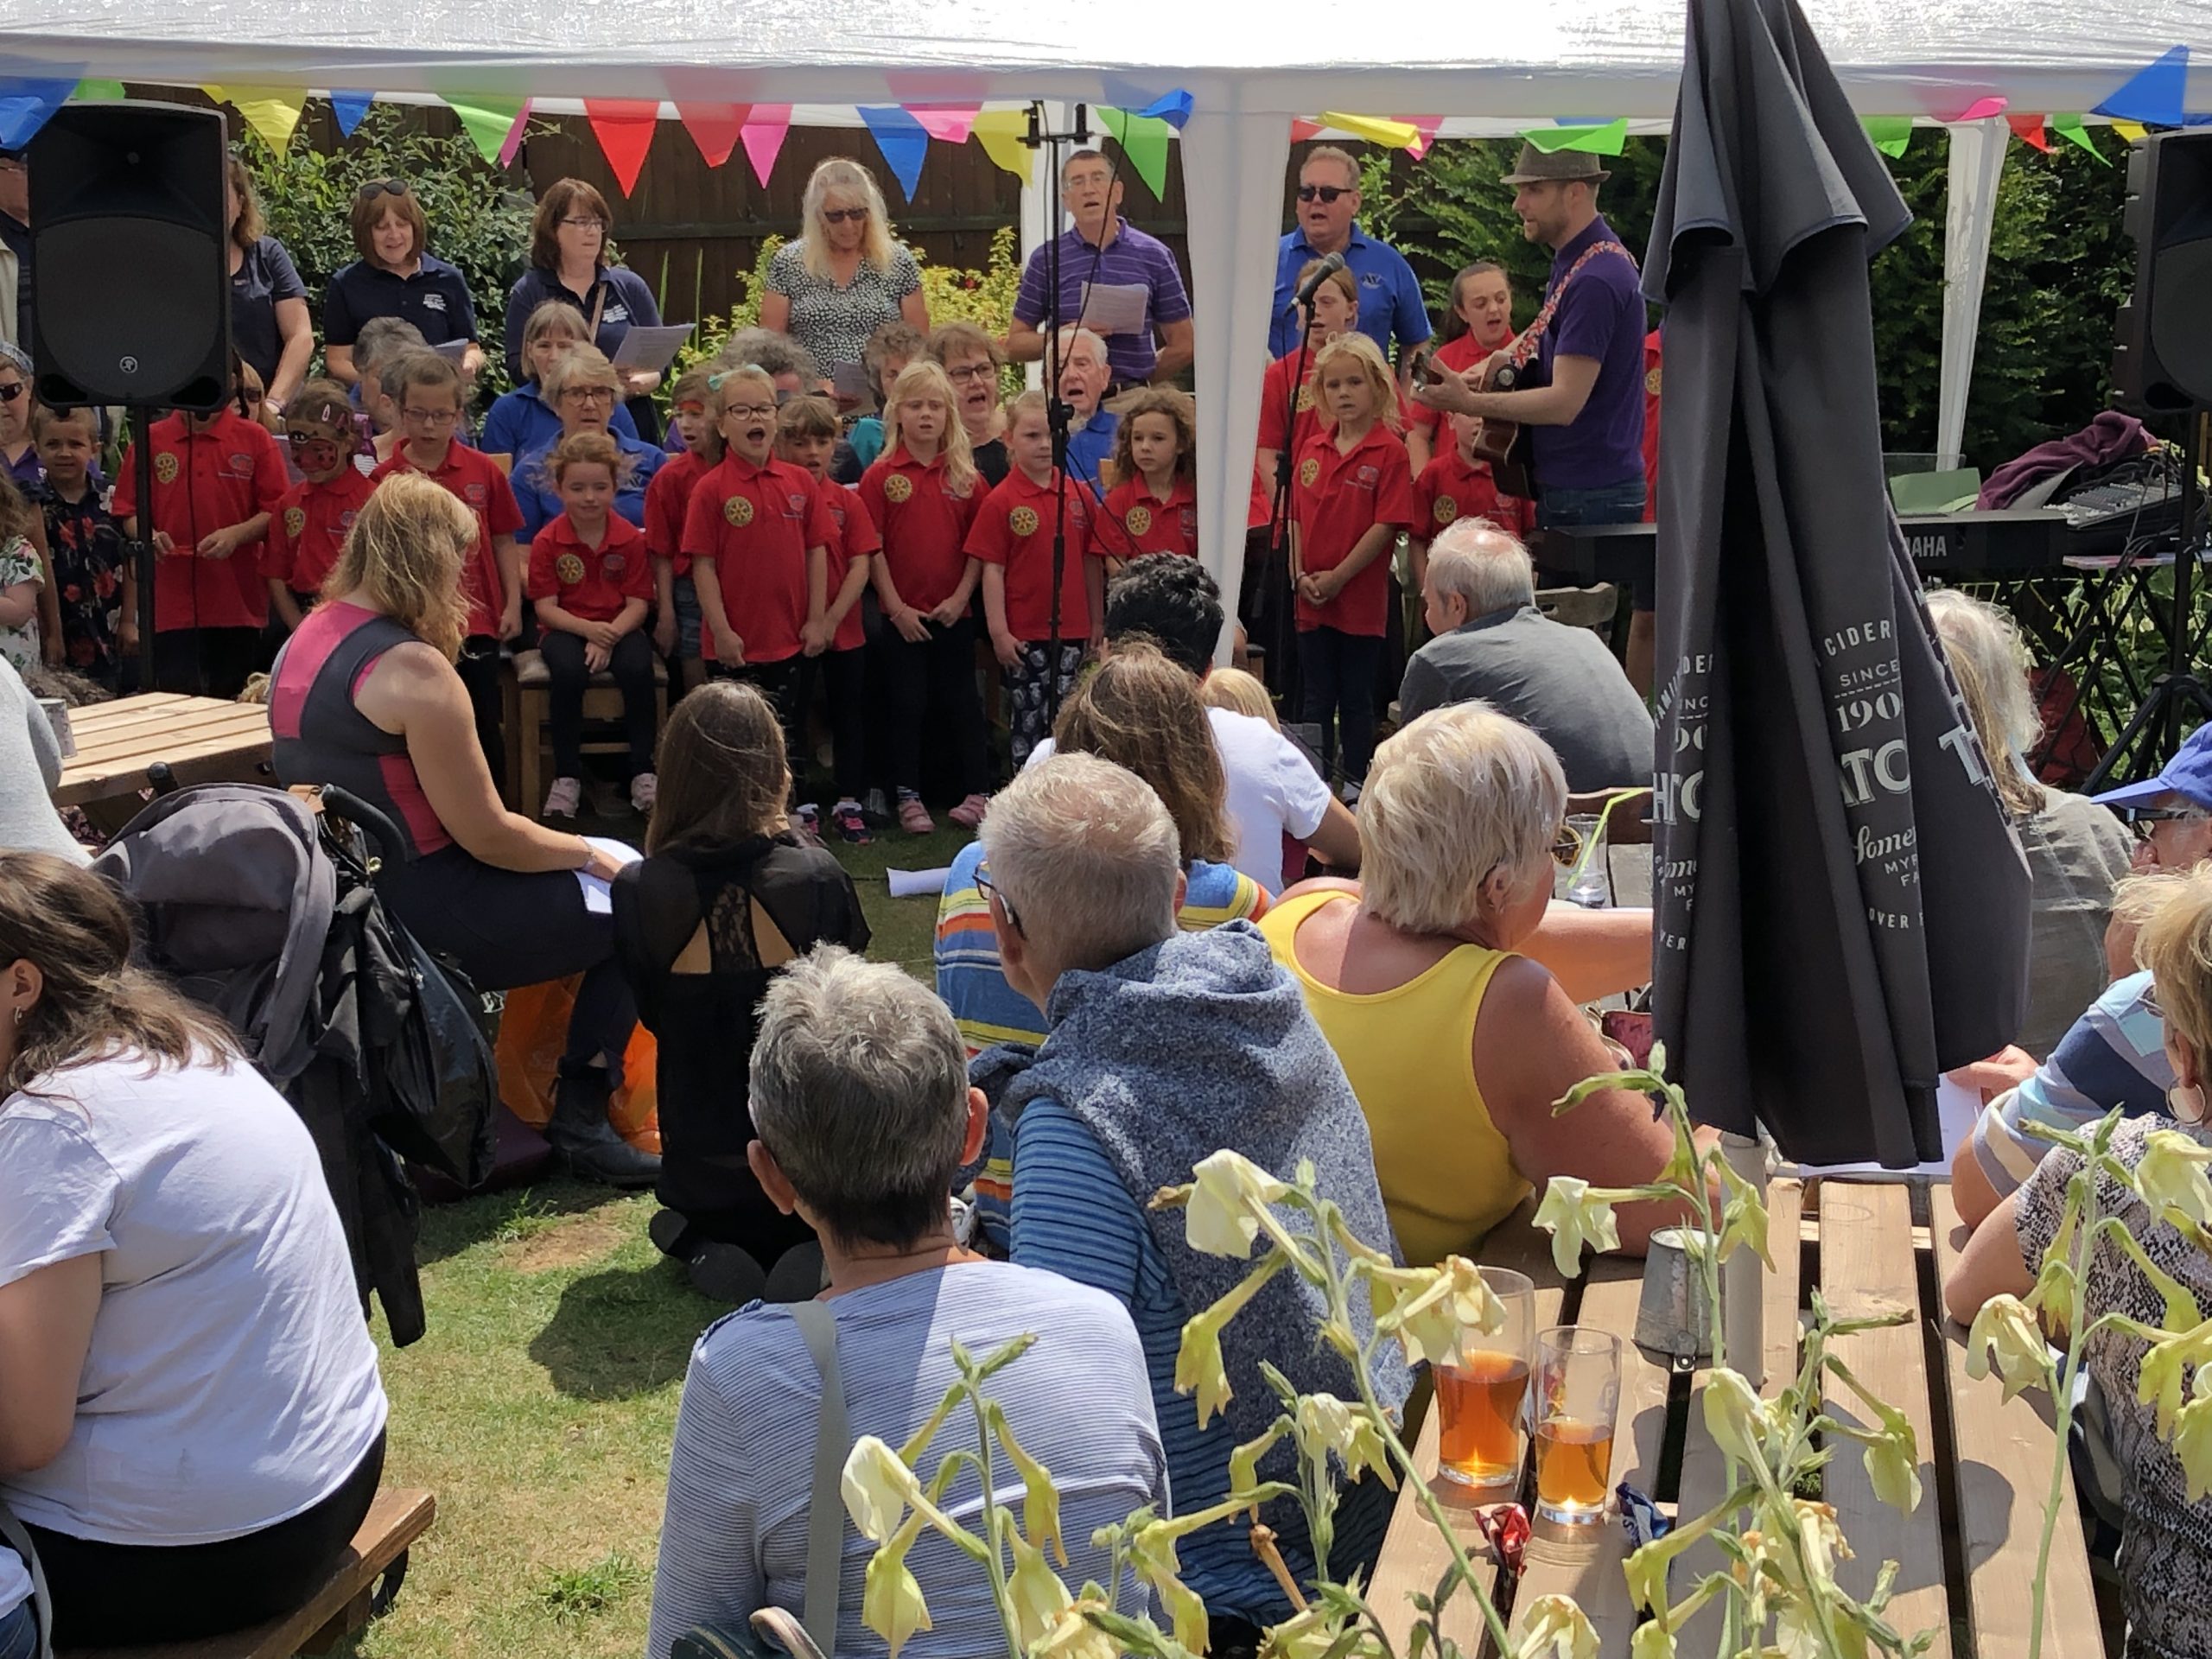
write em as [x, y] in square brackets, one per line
[1390, 304]
[1104, 250]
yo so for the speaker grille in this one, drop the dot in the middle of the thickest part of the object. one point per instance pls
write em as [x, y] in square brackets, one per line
[126, 338]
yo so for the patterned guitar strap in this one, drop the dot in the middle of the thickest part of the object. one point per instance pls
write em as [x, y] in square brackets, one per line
[1531, 337]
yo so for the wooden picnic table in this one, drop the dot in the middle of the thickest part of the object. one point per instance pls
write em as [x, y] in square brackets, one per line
[200, 740]
[1967, 1555]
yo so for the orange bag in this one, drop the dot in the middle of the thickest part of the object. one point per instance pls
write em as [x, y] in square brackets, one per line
[533, 1031]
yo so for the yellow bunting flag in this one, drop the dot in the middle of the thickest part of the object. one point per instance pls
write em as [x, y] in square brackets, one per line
[2131, 132]
[999, 132]
[1391, 135]
[272, 111]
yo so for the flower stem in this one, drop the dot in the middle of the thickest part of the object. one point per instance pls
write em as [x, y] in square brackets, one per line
[1001, 1595]
[2061, 1402]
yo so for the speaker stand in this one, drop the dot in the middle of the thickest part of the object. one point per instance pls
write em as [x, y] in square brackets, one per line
[142, 552]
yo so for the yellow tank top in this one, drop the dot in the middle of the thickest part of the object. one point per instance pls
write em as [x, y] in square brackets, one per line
[1446, 1173]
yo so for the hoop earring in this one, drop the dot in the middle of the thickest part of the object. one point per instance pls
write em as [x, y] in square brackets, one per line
[2184, 1100]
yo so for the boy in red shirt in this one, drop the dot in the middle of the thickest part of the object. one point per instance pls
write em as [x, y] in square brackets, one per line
[426, 390]
[1456, 486]
[217, 477]
[757, 537]
[591, 581]
[1012, 536]
[806, 436]
[668, 497]
[310, 523]
[1154, 509]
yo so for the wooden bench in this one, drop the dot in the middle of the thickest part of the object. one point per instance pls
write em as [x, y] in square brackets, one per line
[345, 1600]
[528, 723]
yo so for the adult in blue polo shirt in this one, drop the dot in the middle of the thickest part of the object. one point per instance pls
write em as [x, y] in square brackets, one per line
[1085, 377]
[395, 276]
[1104, 250]
[1585, 408]
[1391, 305]
[568, 262]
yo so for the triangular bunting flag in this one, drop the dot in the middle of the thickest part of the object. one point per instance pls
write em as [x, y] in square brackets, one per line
[25, 105]
[1891, 133]
[903, 140]
[1424, 128]
[1373, 129]
[347, 109]
[2029, 130]
[949, 123]
[2070, 128]
[1143, 139]
[488, 118]
[2153, 94]
[271, 111]
[1174, 109]
[1001, 133]
[2131, 132]
[714, 127]
[763, 134]
[1301, 130]
[1980, 109]
[1594, 138]
[97, 91]
[511, 146]
[624, 128]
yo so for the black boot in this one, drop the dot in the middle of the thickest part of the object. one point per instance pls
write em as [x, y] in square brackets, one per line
[583, 1139]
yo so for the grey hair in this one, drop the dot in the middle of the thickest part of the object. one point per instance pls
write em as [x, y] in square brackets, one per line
[1071, 335]
[386, 337]
[1483, 565]
[764, 348]
[1990, 664]
[17, 359]
[1087, 855]
[581, 364]
[860, 1092]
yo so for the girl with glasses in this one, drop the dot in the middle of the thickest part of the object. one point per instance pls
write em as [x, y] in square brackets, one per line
[572, 262]
[845, 276]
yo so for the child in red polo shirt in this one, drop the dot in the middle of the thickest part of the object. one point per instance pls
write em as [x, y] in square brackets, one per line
[592, 580]
[426, 388]
[923, 491]
[1481, 322]
[1457, 486]
[668, 497]
[1154, 509]
[806, 436]
[1013, 534]
[310, 523]
[757, 537]
[1350, 495]
[217, 477]
[1286, 412]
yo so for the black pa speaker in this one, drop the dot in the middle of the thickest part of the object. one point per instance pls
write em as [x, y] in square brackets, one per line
[2163, 363]
[129, 258]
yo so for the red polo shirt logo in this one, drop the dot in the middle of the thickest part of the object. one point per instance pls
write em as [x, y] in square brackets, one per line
[1446, 511]
[569, 567]
[1022, 522]
[898, 487]
[295, 520]
[1138, 520]
[165, 466]
[1308, 470]
[739, 511]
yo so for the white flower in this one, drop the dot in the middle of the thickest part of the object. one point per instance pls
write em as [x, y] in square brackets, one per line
[1555, 1629]
[1075, 1637]
[2006, 1332]
[1735, 1416]
[1325, 1424]
[1574, 1217]
[2171, 1175]
[1036, 1592]
[891, 1599]
[1220, 1218]
[877, 1488]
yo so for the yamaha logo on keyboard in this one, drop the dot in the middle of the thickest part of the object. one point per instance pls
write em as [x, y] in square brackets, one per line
[1928, 546]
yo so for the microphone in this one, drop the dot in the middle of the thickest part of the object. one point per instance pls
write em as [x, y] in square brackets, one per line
[1329, 268]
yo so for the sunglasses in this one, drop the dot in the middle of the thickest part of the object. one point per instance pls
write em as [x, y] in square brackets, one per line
[990, 890]
[1325, 192]
[2145, 819]
[12, 390]
[376, 188]
[844, 215]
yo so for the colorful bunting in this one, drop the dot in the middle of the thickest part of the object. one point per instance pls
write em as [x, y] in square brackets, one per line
[488, 118]
[1373, 129]
[949, 123]
[511, 146]
[97, 91]
[1891, 133]
[2029, 130]
[714, 127]
[2070, 128]
[903, 140]
[625, 129]
[1174, 108]
[1424, 128]
[348, 109]
[2153, 94]
[2131, 132]
[1001, 133]
[1143, 139]
[763, 134]
[1591, 137]
[271, 111]
[25, 105]
[1301, 130]
[1980, 109]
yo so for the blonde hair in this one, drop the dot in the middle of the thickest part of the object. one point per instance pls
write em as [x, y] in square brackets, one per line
[1141, 711]
[1239, 693]
[1341, 279]
[406, 551]
[1343, 158]
[929, 375]
[1352, 343]
[719, 386]
[2173, 913]
[1983, 646]
[841, 172]
[1460, 793]
[548, 315]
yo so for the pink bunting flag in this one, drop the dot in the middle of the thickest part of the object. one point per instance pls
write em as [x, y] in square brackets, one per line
[1425, 126]
[1980, 109]
[2029, 130]
[949, 123]
[714, 127]
[763, 133]
[511, 145]
[624, 128]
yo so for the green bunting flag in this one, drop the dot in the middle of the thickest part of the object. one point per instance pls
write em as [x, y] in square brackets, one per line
[1891, 133]
[97, 91]
[1143, 139]
[2070, 128]
[489, 118]
[1606, 139]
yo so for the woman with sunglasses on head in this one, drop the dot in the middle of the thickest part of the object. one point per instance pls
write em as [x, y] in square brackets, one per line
[1456, 1042]
[396, 276]
[571, 262]
[846, 275]
[270, 323]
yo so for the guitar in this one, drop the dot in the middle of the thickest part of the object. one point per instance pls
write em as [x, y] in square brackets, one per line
[1507, 445]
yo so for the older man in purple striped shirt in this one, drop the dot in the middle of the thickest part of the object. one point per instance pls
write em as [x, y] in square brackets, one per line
[1105, 251]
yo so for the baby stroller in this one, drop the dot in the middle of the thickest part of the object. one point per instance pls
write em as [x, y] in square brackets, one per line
[262, 905]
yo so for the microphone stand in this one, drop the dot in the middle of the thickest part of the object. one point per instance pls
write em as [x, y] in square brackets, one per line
[1282, 625]
[142, 551]
[1059, 412]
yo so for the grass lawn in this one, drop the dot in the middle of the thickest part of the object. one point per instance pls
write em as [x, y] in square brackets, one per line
[540, 1406]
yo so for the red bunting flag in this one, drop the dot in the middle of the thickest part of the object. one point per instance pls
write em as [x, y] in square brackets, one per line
[714, 127]
[1425, 126]
[624, 128]
[1301, 130]
[764, 127]
[2029, 130]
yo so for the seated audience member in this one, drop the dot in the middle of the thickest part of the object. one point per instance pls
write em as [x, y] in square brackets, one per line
[523, 420]
[1457, 484]
[1493, 645]
[864, 1114]
[309, 525]
[2171, 815]
[1085, 377]
[890, 349]
[1459, 826]
[94, 581]
[30, 768]
[2164, 1532]
[192, 1427]
[723, 899]
[1246, 694]
[2077, 850]
[365, 696]
[1164, 1047]
[19, 461]
[584, 390]
[18, 1616]
[971, 360]
[383, 341]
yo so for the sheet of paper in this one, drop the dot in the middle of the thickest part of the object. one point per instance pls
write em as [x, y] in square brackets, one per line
[453, 351]
[650, 350]
[916, 884]
[599, 898]
[1116, 308]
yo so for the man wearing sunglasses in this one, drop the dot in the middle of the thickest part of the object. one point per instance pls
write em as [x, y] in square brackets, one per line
[1391, 305]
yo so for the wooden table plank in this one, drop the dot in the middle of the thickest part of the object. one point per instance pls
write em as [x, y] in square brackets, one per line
[2005, 1452]
[161, 726]
[1867, 1266]
[199, 739]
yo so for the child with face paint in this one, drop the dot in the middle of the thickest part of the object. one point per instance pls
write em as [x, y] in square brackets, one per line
[676, 622]
[309, 525]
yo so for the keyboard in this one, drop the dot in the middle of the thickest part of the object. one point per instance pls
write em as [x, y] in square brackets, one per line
[2105, 518]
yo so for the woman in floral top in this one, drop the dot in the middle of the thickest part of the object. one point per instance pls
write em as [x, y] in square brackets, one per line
[22, 574]
[845, 276]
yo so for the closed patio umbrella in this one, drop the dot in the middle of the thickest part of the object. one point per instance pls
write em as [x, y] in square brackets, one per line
[1842, 911]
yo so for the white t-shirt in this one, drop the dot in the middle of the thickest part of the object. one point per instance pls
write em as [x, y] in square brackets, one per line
[1272, 791]
[231, 1381]
[15, 1581]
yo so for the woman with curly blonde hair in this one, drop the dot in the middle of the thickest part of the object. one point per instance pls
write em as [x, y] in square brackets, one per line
[846, 274]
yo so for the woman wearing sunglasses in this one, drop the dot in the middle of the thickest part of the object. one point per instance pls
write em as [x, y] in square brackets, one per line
[18, 454]
[395, 276]
[1456, 1042]
[571, 261]
[846, 275]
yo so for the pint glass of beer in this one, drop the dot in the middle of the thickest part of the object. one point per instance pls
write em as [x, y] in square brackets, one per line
[1577, 1393]
[1483, 1400]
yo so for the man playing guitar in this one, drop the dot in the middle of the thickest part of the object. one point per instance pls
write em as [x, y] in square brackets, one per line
[1576, 373]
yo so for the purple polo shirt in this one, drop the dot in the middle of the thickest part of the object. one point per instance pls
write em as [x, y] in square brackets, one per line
[1132, 259]
[1601, 316]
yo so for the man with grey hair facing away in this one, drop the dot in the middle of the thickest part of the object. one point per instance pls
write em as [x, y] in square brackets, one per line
[1493, 645]
[1164, 1047]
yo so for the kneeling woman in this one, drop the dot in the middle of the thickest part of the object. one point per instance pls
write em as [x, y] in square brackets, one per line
[191, 1424]
[365, 695]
